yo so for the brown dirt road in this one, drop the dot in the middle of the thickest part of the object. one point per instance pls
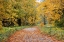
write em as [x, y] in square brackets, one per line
[30, 35]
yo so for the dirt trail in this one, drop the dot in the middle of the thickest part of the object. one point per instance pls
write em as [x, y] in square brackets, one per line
[30, 35]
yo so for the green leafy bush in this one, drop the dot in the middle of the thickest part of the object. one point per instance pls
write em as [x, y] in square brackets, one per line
[58, 33]
[60, 23]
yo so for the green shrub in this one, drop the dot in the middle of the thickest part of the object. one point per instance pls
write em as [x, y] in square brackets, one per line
[58, 33]
[60, 23]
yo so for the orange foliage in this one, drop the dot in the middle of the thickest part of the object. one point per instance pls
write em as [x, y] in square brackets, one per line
[41, 24]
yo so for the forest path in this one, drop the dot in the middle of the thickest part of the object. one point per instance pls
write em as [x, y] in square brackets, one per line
[32, 34]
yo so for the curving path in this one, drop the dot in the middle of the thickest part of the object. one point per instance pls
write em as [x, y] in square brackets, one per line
[30, 35]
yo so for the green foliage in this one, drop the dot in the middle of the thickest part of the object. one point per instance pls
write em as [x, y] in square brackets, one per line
[5, 32]
[58, 33]
[60, 23]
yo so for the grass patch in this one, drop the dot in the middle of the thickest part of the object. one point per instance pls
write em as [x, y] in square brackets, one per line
[5, 32]
[54, 31]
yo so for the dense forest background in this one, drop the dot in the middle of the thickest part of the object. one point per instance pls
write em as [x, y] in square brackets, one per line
[30, 12]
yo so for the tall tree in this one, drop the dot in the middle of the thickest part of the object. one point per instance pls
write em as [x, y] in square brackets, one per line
[14, 9]
[51, 9]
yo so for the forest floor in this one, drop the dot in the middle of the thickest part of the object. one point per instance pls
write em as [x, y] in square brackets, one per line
[32, 34]
[52, 33]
